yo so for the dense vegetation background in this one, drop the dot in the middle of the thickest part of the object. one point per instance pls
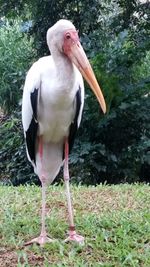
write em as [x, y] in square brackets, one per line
[115, 34]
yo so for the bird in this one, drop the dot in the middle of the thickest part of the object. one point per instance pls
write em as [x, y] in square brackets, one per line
[52, 106]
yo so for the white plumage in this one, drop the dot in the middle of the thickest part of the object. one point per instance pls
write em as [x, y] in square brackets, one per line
[57, 86]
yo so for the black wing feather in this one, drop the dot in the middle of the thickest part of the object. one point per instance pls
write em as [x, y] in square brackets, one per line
[31, 133]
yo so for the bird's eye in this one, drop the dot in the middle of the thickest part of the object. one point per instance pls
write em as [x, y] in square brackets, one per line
[68, 36]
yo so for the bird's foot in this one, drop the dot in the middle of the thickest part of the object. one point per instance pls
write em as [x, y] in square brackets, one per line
[40, 240]
[73, 236]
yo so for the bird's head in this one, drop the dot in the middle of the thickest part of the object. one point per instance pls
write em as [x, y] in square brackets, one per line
[64, 36]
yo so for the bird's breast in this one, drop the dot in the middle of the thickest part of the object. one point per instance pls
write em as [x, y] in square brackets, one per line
[54, 124]
[55, 114]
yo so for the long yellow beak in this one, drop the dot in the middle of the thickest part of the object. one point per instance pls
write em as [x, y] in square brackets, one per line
[79, 58]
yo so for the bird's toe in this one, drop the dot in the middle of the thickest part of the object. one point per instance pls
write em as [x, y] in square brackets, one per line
[40, 240]
[73, 236]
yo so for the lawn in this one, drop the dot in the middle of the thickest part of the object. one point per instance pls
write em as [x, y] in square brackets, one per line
[115, 221]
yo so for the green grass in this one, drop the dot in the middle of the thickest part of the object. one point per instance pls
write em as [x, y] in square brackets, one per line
[115, 221]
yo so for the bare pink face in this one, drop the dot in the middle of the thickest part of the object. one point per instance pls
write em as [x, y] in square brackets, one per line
[70, 38]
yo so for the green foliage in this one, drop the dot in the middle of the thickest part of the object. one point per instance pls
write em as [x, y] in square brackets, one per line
[14, 166]
[142, 71]
[16, 54]
[109, 82]
[116, 148]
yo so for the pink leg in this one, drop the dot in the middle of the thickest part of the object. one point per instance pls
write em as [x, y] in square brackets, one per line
[43, 238]
[73, 236]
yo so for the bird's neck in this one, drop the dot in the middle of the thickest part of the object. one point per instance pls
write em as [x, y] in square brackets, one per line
[65, 70]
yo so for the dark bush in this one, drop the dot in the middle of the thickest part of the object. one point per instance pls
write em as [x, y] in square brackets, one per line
[16, 55]
[118, 147]
[14, 166]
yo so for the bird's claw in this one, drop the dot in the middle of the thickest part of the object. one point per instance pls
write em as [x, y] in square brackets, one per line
[73, 236]
[40, 240]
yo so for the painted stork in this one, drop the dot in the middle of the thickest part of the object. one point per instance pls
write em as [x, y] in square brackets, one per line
[52, 105]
